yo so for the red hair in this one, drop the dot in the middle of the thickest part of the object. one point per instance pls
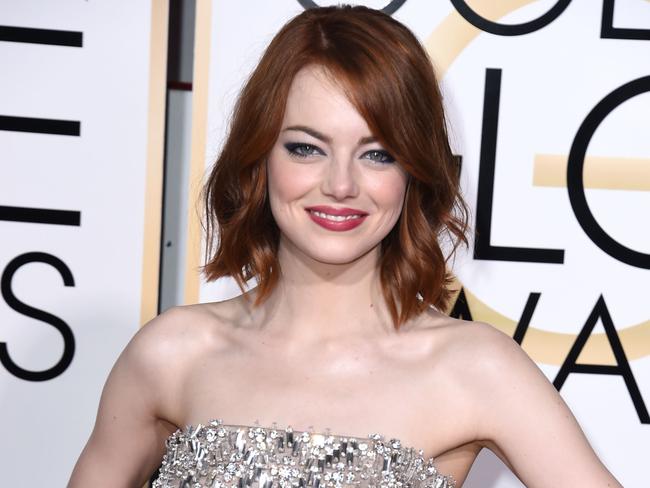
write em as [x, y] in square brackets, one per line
[387, 75]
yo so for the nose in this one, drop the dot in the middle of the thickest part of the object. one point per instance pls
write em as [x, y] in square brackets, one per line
[340, 180]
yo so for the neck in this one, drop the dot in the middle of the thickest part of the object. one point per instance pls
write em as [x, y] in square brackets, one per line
[317, 302]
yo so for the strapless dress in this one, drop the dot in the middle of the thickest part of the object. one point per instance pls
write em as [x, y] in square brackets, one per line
[218, 455]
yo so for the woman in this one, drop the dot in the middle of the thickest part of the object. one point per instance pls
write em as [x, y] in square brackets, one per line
[334, 189]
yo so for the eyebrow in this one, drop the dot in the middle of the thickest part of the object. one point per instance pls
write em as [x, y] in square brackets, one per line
[323, 137]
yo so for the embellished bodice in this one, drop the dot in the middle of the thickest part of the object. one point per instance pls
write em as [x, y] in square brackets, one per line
[218, 455]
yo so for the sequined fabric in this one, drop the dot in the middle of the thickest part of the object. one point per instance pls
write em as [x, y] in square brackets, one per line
[219, 455]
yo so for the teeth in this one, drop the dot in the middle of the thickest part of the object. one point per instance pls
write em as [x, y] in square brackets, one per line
[335, 218]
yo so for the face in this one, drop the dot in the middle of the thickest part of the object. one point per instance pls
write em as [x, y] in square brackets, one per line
[334, 191]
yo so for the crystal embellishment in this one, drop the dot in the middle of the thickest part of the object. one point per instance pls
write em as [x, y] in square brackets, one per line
[219, 455]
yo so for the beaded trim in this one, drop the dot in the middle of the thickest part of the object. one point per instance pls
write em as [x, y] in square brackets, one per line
[219, 455]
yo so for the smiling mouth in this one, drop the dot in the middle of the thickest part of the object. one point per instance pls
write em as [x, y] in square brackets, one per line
[335, 218]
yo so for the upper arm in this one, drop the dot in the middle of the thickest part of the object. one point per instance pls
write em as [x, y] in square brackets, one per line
[127, 441]
[525, 421]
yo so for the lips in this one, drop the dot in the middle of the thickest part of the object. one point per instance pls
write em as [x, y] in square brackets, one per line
[347, 218]
[326, 209]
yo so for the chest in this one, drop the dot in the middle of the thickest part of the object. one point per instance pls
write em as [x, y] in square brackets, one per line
[348, 393]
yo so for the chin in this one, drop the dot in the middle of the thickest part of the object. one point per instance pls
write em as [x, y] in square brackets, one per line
[337, 256]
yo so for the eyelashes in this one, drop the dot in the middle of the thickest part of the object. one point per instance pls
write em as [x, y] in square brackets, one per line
[380, 156]
[304, 150]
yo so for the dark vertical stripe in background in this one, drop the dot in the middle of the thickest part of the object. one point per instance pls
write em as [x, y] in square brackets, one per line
[41, 36]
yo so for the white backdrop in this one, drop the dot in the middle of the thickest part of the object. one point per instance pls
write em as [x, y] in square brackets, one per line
[77, 200]
[544, 267]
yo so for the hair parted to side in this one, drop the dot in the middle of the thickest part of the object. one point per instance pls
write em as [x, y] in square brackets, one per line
[388, 77]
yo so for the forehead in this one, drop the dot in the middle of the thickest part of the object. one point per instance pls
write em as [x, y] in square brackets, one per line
[316, 99]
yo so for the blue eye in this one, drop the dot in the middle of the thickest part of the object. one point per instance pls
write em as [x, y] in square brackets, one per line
[304, 150]
[379, 155]
[301, 149]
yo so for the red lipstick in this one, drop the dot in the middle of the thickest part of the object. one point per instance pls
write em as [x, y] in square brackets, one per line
[358, 216]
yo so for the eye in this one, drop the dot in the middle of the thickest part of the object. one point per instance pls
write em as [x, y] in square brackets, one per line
[379, 156]
[301, 149]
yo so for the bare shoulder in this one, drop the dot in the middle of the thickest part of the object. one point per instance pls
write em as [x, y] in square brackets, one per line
[184, 328]
[481, 358]
[164, 350]
[519, 414]
[490, 356]
[142, 397]
[465, 340]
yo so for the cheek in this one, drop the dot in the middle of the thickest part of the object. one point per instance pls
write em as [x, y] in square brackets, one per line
[389, 191]
[286, 181]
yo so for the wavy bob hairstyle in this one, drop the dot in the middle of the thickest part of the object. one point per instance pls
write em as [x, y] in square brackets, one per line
[388, 77]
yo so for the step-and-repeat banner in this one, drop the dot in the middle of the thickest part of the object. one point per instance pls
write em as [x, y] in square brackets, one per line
[82, 100]
[549, 108]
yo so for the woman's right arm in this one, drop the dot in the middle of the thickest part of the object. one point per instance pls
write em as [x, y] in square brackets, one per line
[128, 440]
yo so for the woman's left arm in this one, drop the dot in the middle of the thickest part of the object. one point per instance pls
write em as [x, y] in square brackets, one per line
[526, 423]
